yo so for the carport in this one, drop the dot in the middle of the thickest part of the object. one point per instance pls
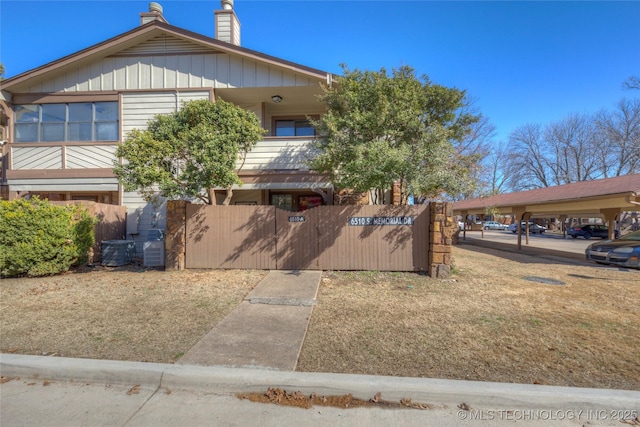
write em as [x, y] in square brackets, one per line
[605, 198]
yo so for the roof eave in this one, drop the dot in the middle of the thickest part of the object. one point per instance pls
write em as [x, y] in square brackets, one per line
[122, 41]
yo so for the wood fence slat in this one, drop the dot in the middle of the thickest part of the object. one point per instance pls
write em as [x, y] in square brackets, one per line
[384, 238]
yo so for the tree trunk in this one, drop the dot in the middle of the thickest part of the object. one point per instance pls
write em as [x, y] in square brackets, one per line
[212, 196]
[227, 199]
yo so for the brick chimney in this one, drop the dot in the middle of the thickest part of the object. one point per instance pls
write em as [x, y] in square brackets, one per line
[227, 23]
[154, 14]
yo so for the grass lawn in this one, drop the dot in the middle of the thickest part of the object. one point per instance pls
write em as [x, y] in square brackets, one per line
[488, 322]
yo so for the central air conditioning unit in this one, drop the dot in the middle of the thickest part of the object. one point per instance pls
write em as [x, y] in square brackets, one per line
[153, 249]
[116, 253]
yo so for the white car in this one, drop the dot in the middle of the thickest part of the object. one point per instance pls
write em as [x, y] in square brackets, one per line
[494, 225]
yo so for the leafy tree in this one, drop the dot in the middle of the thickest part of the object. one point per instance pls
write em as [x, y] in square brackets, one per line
[380, 129]
[190, 152]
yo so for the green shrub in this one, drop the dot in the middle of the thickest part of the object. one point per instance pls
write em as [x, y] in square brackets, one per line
[38, 238]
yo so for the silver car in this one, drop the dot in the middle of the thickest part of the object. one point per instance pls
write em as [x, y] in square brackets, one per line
[624, 251]
[494, 225]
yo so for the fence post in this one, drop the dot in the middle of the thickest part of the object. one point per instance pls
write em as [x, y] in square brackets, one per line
[175, 238]
[440, 239]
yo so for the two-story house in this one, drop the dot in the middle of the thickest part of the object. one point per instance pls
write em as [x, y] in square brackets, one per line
[63, 120]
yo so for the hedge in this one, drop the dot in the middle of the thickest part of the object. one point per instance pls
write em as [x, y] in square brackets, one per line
[38, 238]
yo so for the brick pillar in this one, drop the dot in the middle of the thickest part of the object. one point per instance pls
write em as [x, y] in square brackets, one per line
[441, 231]
[175, 238]
[396, 194]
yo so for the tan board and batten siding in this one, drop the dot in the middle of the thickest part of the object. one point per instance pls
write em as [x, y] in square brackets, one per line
[138, 108]
[279, 154]
[167, 62]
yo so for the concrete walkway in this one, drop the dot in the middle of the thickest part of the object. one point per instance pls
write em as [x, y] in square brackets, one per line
[266, 330]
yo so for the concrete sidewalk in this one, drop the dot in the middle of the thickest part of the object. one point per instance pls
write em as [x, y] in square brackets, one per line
[56, 391]
[266, 330]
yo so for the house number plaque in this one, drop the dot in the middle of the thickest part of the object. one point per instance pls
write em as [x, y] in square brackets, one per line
[380, 220]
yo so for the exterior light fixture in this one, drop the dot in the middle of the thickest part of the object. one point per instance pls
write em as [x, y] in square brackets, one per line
[276, 98]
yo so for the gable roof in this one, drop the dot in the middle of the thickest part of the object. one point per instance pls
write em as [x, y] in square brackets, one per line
[144, 33]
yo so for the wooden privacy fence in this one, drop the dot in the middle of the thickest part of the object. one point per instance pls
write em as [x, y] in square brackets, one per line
[384, 238]
[111, 222]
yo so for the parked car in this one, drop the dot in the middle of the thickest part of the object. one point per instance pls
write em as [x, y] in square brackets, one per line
[624, 251]
[494, 225]
[590, 230]
[533, 227]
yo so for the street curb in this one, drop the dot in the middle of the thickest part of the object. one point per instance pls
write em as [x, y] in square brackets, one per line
[223, 380]
[81, 370]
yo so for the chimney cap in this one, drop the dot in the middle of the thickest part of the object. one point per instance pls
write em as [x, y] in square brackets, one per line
[227, 4]
[155, 7]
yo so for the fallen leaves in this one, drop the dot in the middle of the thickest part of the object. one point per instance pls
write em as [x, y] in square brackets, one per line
[4, 379]
[279, 396]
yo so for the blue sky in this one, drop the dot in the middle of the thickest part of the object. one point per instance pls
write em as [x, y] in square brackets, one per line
[522, 62]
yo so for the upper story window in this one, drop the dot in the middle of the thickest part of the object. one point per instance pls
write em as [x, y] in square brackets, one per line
[294, 128]
[82, 121]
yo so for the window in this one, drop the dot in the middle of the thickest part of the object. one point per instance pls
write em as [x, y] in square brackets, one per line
[294, 128]
[282, 201]
[82, 121]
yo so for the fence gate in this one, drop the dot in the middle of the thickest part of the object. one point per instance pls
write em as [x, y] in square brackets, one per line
[384, 238]
[230, 237]
[297, 235]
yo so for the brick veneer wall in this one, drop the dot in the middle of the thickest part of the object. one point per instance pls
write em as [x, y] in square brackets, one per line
[441, 231]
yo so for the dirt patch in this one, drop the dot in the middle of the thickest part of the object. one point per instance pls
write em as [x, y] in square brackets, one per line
[297, 399]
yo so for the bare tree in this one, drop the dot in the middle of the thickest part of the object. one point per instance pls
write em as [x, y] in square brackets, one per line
[633, 82]
[619, 130]
[494, 177]
[579, 147]
[573, 148]
[479, 137]
[472, 150]
[527, 161]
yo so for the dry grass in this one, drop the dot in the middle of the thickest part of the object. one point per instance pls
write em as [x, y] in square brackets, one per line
[486, 323]
[149, 316]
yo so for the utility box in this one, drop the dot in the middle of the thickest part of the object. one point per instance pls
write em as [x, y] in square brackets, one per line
[133, 219]
[153, 253]
[116, 253]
